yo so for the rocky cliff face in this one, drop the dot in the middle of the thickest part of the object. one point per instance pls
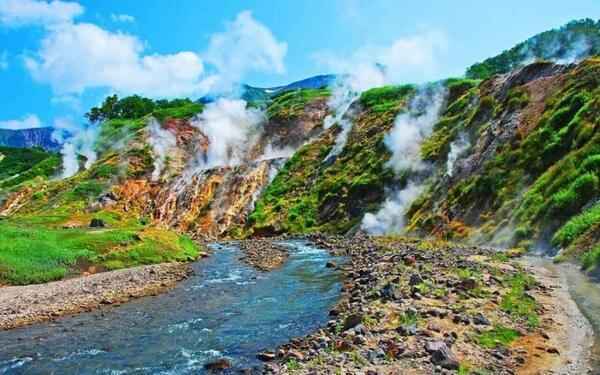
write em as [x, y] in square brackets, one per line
[40, 137]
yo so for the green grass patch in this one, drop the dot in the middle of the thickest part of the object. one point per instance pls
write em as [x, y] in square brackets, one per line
[498, 336]
[36, 254]
[517, 302]
[576, 226]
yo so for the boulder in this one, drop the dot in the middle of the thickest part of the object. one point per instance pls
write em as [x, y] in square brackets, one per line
[441, 355]
[97, 223]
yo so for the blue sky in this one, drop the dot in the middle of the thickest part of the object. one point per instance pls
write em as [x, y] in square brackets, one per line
[57, 59]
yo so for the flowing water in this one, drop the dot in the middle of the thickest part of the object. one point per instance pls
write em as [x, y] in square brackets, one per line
[226, 309]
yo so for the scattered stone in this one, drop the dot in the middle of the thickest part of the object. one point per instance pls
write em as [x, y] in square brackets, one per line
[97, 223]
[352, 321]
[266, 356]
[480, 319]
[218, 365]
[441, 355]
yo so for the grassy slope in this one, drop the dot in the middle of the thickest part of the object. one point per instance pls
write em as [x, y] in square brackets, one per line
[307, 195]
[542, 182]
[49, 238]
[557, 44]
[18, 165]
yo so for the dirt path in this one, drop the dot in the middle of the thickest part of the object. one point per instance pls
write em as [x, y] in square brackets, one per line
[23, 305]
[568, 330]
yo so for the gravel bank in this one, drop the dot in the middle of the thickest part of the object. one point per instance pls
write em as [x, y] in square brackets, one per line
[433, 308]
[23, 305]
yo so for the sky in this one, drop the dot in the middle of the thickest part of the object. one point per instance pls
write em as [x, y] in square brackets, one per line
[58, 58]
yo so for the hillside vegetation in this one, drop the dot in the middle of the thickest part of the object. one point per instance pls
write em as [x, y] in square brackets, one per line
[526, 174]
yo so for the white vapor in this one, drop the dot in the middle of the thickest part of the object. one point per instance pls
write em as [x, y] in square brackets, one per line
[412, 127]
[231, 128]
[161, 141]
[457, 149]
[390, 217]
[28, 122]
[404, 140]
[408, 59]
[42, 13]
[272, 152]
[76, 140]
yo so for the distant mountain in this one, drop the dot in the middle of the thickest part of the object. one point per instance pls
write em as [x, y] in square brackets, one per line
[38, 137]
[260, 94]
[570, 43]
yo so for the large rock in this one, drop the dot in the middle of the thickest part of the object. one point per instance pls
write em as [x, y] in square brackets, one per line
[441, 355]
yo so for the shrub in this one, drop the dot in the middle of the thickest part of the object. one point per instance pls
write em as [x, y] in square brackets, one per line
[576, 226]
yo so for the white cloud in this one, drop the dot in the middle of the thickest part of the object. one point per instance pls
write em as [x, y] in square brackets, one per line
[413, 58]
[245, 45]
[122, 18]
[33, 12]
[4, 60]
[75, 57]
[29, 121]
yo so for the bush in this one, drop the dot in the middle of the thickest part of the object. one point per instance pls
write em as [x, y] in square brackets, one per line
[576, 226]
[569, 200]
[591, 259]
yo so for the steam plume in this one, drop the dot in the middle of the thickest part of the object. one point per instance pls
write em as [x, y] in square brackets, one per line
[231, 128]
[76, 141]
[161, 141]
[404, 140]
[457, 148]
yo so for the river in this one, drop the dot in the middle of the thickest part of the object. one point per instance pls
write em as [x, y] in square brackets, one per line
[226, 309]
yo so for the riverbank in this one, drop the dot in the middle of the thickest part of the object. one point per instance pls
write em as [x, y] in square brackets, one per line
[23, 305]
[426, 307]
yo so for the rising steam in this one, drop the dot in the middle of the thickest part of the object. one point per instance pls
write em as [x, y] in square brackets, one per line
[76, 141]
[346, 91]
[231, 128]
[404, 140]
[161, 141]
[457, 149]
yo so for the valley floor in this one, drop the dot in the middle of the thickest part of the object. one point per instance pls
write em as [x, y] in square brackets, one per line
[407, 307]
[424, 308]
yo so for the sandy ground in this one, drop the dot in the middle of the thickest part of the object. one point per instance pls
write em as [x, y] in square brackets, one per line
[568, 329]
[22, 305]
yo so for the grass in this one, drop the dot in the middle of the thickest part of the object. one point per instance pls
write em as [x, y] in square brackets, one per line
[18, 165]
[291, 103]
[498, 336]
[33, 253]
[591, 259]
[576, 226]
[517, 302]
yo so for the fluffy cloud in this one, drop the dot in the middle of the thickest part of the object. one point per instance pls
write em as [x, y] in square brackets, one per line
[413, 58]
[28, 122]
[33, 12]
[75, 57]
[245, 45]
[122, 18]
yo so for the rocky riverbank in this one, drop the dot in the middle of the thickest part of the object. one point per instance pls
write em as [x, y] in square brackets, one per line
[429, 307]
[22, 305]
[265, 255]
